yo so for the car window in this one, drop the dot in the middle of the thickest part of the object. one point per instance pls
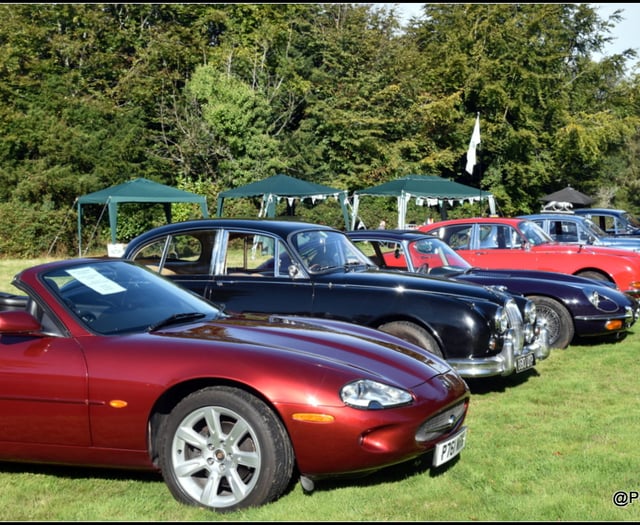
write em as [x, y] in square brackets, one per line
[372, 249]
[323, 250]
[613, 225]
[248, 254]
[456, 236]
[393, 255]
[630, 219]
[496, 236]
[563, 231]
[427, 254]
[186, 253]
[533, 234]
[607, 223]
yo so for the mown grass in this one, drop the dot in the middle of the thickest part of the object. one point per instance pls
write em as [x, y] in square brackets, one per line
[553, 444]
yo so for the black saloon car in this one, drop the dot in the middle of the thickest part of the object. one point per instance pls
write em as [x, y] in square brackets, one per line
[570, 306]
[270, 266]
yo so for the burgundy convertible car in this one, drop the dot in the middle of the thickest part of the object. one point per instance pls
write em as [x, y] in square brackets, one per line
[105, 363]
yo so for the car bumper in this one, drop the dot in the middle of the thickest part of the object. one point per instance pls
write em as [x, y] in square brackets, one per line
[599, 325]
[506, 362]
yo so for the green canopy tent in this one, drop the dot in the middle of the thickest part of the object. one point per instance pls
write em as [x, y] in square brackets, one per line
[274, 188]
[137, 190]
[431, 189]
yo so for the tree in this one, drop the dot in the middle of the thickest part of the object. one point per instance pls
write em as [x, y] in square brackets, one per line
[527, 69]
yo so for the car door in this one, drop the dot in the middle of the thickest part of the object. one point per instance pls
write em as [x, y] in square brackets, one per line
[43, 391]
[251, 273]
[494, 245]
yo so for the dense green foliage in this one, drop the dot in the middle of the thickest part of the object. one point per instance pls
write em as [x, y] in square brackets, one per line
[208, 97]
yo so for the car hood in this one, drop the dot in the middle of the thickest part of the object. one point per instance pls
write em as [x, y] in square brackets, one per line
[618, 241]
[533, 275]
[401, 280]
[333, 343]
[581, 248]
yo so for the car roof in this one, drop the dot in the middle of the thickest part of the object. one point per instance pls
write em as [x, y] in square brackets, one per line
[404, 235]
[493, 220]
[280, 227]
[552, 216]
[585, 211]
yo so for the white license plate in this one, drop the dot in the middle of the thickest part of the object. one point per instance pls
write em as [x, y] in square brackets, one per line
[524, 362]
[450, 448]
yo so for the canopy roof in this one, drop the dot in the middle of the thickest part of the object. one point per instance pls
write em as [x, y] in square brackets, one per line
[137, 190]
[272, 189]
[569, 194]
[430, 188]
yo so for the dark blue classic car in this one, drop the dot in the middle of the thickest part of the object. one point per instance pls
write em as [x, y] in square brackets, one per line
[570, 306]
[612, 221]
[269, 266]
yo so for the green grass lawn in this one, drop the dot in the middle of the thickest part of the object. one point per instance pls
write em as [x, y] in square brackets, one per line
[552, 444]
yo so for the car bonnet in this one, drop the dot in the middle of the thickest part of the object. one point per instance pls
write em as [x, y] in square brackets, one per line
[330, 343]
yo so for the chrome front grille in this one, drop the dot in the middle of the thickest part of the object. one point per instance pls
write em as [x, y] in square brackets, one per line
[516, 324]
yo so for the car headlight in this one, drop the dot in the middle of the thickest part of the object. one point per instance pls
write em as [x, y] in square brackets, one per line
[593, 296]
[501, 320]
[371, 395]
[530, 312]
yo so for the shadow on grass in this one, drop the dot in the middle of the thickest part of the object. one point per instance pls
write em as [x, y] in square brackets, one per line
[391, 474]
[81, 472]
[600, 340]
[486, 385]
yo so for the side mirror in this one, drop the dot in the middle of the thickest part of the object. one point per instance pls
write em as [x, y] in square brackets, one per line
[17, 322]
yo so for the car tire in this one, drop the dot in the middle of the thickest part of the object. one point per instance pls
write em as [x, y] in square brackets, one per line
[412, 333]
[224, 449]
[590, 274]
[557, 318]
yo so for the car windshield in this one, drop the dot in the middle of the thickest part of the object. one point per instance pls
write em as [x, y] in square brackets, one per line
[111, 297]
[435, 253]
[534, 234]
[631, 219]
[594, 229]
[323, 250]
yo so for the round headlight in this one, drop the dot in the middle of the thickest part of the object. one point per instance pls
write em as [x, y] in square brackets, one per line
[501, 320]
[530, 312]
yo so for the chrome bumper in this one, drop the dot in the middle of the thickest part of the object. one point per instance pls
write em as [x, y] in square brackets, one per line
[504, 363]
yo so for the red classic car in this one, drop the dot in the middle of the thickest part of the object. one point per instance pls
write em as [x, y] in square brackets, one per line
[515, 243]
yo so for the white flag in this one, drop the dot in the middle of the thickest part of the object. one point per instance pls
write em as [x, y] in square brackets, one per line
[473, 144]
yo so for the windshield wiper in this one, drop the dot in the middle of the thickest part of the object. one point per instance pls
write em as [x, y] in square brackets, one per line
[176, 319]
[356, 264]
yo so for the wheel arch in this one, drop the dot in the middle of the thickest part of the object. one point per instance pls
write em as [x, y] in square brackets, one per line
[173, 395]
[391, 318]
[585, 272]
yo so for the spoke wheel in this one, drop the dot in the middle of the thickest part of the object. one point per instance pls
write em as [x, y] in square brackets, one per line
[224, 449]
[557, 319]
